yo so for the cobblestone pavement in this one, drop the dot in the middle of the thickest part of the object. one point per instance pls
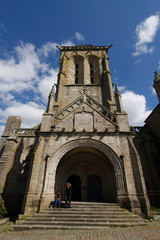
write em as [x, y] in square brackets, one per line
[151, 231]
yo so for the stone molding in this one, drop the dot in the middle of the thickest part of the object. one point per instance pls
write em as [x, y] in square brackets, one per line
[110, 154]
[84, 98]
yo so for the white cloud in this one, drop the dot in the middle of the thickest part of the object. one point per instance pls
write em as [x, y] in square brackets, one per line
[27, 69]
[145, 33]
[121, 88]
[51, 47]
[138, 61]
[153, 90]
[47, 48]
[47, 82]
[1, 129]
[31, 113]
[79, 37]
[67, 43]
[8, 97]
[21, 70]
[135, 105]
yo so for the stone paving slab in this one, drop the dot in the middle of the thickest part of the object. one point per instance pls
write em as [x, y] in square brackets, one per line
[151, 231]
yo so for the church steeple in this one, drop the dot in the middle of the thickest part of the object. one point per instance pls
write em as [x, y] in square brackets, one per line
[84, 77]
[85, 66]
[156, 84]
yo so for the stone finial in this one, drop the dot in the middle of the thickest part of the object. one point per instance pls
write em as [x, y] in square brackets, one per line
[156, 76]
[118, 100]
[116, 89]
[156, 84]
[51, 99]
[52, 92]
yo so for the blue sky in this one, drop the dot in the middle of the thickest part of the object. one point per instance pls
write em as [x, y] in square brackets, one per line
[30, 30]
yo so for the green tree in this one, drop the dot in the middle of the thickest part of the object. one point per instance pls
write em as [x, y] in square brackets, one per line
[3, 210]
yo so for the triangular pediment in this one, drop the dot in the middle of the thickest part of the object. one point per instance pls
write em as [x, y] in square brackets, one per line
[84, 114]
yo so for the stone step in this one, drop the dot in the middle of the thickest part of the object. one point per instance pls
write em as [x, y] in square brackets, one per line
[81, 216]
[80, 221]
[75, 227]
[93, 204]
[84, 212]
[84, 209]
[88, 207]
[45, 217]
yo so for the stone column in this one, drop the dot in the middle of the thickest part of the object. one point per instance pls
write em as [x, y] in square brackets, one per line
[86, 71]
[135, 182]
[32, 196]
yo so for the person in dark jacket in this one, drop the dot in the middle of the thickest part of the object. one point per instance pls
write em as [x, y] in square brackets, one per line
[57, 202]
[68, 196]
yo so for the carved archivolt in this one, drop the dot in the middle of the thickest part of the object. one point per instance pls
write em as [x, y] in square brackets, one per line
[110, 154]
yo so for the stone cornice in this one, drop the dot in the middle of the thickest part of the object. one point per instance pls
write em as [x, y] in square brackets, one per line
[84, 48]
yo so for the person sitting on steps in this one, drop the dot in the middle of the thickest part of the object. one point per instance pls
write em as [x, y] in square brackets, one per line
[57, 202]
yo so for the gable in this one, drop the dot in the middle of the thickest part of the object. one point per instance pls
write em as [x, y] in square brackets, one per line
[84, 119]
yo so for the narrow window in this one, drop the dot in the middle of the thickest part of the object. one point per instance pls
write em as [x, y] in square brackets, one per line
[91, 74]
[76, 73]
[78, 70]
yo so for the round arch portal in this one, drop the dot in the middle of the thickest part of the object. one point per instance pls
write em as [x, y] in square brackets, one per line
[91, 144]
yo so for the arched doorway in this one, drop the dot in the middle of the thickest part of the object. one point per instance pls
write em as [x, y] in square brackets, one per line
[91, 174]
[94, 188]
[76, 186]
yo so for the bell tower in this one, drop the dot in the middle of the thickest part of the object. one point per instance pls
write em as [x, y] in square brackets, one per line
[85, 73]
[84, 68]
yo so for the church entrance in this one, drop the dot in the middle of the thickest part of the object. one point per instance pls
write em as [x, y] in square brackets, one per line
[94, 189]
[76, 185]
[91, 174]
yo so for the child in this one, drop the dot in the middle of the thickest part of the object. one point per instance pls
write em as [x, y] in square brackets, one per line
[57, 202]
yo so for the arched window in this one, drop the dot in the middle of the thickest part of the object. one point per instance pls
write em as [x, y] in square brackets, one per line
[79, 69]
[104, 64]
[91, 74]
[76, 73]
[93, 69]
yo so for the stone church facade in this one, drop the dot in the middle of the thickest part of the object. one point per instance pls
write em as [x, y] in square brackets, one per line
[84, 138]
